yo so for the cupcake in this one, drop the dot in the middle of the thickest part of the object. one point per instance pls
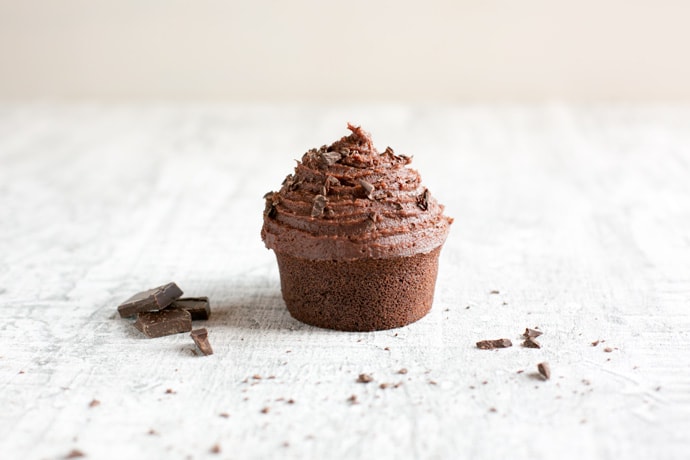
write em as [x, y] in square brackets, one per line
[357, 237]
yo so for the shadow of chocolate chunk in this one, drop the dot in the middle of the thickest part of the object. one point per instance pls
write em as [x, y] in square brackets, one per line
[198, 307]
[165, 322]
[152, 300]
[200, 337]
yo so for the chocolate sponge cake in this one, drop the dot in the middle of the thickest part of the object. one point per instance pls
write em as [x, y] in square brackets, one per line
[357, 237]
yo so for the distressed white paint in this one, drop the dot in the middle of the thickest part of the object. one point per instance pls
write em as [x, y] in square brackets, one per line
[580, 217]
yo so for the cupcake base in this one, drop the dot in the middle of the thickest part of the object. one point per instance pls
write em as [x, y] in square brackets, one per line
[359, 295]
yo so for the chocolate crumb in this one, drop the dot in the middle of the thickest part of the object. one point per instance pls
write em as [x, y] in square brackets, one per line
[94, 403]
[520, 371]
[433, 382]
[383, 386]
[266, 410]
[291, 401]
[608, 350]
[353, 399]
[318, 206]
[152, 432]
[402, 371]
[492, 409]
[531, 333]
[256, 377]
[595, 343]
[544, 370]
[169, 391]
[215, 449]
[491, 344]
[495, 291]
[531, 342]
[75, 453]
[224, 415]
[485, 382]
[364, 378]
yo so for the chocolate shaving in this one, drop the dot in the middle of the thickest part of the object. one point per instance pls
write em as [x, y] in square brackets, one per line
[423, 200]
[544, 370]
[368, 189]
[491, 344]
[329, 158]
[330, 182]
[531, 333]
[200, 337]
[318, 206]
[531, 342]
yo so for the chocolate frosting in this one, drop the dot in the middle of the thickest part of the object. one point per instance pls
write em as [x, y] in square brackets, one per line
[348, 201]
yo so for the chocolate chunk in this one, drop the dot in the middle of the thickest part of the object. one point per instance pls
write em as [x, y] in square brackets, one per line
[531, 342]
[423, 200]
[544, 370]
[368, 189]
[152, 300]
[200, 337]
[491, 344]
[531, 333]
[164, 322]
[319, 206]
[198, 307]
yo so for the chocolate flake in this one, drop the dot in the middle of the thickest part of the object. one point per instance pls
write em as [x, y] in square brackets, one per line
[365, 378]
[330, 158]
[368, 189]
[531, 342]
[200, 337]
[491, 344]
[152, 300]
[531, 333]
[319, 206]
[423, 200]
[544, 370]
[328, 183]
[165, 322]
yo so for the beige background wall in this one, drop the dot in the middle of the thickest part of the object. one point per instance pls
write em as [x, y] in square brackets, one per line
[321, 51]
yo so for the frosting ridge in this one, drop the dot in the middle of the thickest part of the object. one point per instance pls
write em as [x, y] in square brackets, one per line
[348, 201]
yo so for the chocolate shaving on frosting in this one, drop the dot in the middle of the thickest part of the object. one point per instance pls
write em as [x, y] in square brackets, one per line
[302, 222]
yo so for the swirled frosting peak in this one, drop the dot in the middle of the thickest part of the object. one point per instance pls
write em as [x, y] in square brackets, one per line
[347, 201]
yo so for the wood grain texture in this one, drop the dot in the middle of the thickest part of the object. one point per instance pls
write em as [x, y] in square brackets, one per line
[580, 219]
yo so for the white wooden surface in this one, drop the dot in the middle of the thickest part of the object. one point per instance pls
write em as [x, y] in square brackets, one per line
[579, 217]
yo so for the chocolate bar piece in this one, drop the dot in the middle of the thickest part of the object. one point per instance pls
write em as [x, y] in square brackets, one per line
[198, 307]
[152, 300]
[200, 337]
[164, 322]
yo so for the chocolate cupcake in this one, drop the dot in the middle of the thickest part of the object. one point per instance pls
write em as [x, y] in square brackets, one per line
[357, 237]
